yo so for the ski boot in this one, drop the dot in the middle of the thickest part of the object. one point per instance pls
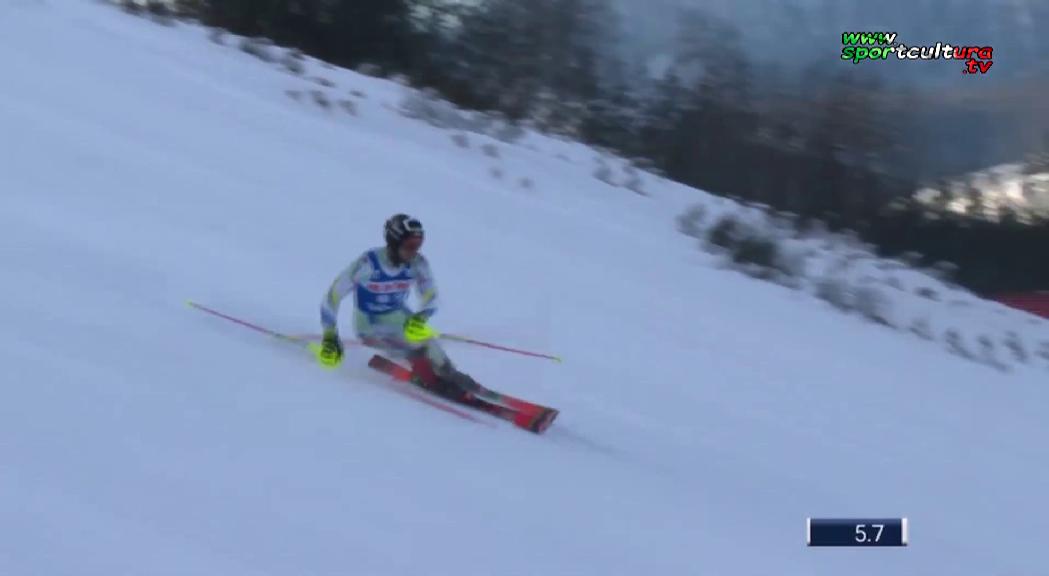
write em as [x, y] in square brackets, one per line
[445, 380]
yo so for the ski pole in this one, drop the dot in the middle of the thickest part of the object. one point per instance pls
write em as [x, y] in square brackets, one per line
[466, 340]
[293, 339]
[456, 338]
[301, 341]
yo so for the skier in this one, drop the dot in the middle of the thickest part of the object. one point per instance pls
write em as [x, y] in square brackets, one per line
[381, 280]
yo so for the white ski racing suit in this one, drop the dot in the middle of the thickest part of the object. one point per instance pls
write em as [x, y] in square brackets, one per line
[380, 291]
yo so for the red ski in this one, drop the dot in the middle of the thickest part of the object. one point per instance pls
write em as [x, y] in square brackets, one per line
[531, 417]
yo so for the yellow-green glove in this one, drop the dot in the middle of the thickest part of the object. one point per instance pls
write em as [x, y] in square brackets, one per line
[330, 353]
[417, 330]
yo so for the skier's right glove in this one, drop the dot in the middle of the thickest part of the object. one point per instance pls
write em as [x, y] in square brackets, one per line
[330, 353]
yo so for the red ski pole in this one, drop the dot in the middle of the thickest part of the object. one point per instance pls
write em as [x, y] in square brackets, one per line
[498, 347]
[246, 324]
[462, 339]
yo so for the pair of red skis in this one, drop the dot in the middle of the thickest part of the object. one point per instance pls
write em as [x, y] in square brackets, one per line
[532, 417]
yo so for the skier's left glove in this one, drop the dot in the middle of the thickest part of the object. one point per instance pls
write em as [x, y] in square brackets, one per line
[417, 330]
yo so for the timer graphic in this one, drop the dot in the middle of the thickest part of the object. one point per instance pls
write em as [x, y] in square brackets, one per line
[860, 532]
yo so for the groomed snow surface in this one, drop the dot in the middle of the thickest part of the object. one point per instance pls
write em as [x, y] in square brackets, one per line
[705, 414]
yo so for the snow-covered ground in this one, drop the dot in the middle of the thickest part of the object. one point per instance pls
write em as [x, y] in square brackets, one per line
[705, 415]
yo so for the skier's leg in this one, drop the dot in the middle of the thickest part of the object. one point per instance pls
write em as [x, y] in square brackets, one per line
[431, 366]
[382, 332]
[435, 370]
[385, 332]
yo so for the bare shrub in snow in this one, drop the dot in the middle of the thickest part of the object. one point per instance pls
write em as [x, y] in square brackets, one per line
[1043, 350]
[755, 251]
[646, 164]
[348, 106]
[690, 223]
[888, 265]
[985, 342]
[912, 258]
[461, 140]
[189, 10]
[785, 222]
[649, 167]
[724, 233]
[815, 228]
[604, 173]
[160, 13]
[321, 81]
[989, 352]
[872, 304]
[426, 106]
[490, 150]
[835, 292]
[793, 264]
[260, 48]
[368, 69]
[218, 36]
[1016, 346]
[928, 294]
[292, 62]
[956, 345]
[792, 282]
[508, 132]
[131, 7]
[482, 122]
[944, 271]
[358, 94]
[763, 252]
[634, 182]
[920, 328]
[321, 99]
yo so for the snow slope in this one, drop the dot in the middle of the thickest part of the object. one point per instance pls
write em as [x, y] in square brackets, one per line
[704, 415]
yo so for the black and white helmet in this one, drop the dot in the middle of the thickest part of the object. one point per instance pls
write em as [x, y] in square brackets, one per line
[401, 226]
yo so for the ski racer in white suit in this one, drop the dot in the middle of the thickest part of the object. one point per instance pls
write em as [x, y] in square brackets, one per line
[380, 281]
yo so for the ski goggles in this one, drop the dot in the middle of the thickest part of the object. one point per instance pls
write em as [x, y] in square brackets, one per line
[412, 243]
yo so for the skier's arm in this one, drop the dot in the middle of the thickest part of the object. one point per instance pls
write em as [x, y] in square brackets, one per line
[343, 285]
[427, 288]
